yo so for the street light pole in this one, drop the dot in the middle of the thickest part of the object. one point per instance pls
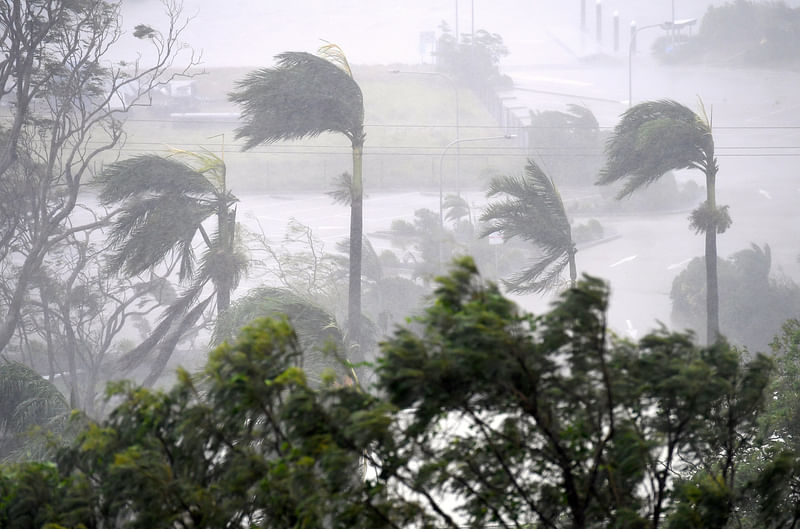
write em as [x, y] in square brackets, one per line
[456, 142]
[441, 164]
[631, 46]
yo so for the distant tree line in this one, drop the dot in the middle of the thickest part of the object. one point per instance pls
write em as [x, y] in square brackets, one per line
[739, 33]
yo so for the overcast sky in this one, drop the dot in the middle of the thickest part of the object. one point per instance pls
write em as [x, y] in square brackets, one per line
[251, 32]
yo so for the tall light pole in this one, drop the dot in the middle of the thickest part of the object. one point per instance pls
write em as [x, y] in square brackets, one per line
[456, 142]
[441, 164]
[631, 46]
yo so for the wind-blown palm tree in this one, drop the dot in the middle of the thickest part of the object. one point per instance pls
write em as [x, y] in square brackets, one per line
[318, 334]
[653, 138]
[26, 401]
[533, 210]
[303, 96]
[163, 205]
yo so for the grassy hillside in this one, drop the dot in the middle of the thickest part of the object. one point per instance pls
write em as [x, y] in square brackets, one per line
[409, 120]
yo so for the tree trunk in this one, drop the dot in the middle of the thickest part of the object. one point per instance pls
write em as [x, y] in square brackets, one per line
[225, 233]
[573, 269]
[712, 293]
[356, 235]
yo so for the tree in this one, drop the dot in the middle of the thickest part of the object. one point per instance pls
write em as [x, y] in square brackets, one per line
[755, 303]
[653, 138]
[482, 414]
[533, 211]
[27, 401]
[568, 143]
[76, 326]
[305, 95]
[66, 104]
[163, 204]
[319, 337]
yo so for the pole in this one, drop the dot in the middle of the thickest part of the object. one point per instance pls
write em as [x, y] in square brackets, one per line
[631, 48]
[616, 31]
[599, 16]
[441, 165]
[583, 14]
[472, 18]
[458, 36]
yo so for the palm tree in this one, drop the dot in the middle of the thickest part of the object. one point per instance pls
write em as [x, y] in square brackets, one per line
[27, 401]
[319, 336]
[653, 138]
[164, 202]
[303, 96]
[533, 211]
[163, 205]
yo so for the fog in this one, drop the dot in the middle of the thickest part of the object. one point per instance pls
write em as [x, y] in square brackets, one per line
[414, 158]
[552, 63]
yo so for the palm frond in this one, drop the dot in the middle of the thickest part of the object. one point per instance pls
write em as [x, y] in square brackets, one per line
[651, 139]
[206, 163]
[150, 174]
[541, 276]
[533, 211]
[145, 232]
[302, 96]
[334, 54]
[342, 192]
[318, 333]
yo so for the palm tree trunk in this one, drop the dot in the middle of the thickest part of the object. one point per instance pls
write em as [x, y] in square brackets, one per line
[356, 234]
[573, 269]
[712, 293]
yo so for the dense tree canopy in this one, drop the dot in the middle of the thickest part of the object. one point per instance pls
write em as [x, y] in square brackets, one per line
[483, 415]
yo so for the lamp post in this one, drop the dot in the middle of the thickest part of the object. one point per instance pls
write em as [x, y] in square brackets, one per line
[671, 25]
[631, 46]
[441, 164]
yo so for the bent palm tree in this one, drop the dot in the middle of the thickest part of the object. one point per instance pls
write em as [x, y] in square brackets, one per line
[319, 336]
[164, 203]
[26, 401]
[653, 138]
[304, 96]
[533, 211]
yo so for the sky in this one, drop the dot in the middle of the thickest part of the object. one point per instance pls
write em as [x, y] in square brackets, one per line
[251, 32]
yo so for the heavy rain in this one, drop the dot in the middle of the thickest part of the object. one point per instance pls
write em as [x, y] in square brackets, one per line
[399, 264]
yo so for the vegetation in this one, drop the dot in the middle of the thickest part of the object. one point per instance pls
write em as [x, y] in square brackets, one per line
[163, 203]
[304, 96]
[484, 415]
[653, 138]
[754, 303]
[740, 33]
[533, 211]
[569, 145]
[473, 59]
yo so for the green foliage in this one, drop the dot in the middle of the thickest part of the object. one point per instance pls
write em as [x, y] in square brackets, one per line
[533, 211]
[569, 144]
[485, 415]
[653, 138]
[753, 303]
[741, 33]
[703, 219]
[319, 336]
[302, 96]
[29, 407]
[475, 61]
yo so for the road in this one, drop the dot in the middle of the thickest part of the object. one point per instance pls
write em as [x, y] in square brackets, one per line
[640, 263]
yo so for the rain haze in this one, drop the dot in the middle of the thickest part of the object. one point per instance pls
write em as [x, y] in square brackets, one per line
[552, 62]
[385, 264]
